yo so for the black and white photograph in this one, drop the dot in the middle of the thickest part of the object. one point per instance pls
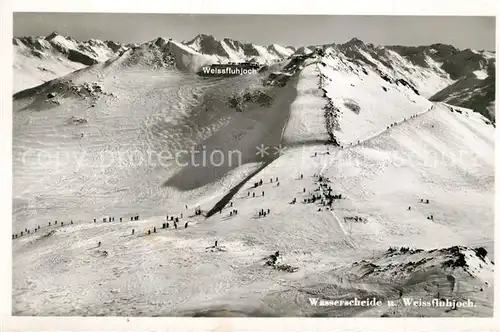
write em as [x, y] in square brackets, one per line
[251, 165]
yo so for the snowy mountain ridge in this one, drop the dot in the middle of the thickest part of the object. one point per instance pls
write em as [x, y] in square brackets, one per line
[438, 71]
[237, 51]
[418, 282]
[39, 59]
[400, 263]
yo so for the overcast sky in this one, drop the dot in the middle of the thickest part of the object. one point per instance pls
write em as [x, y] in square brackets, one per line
[459, 31]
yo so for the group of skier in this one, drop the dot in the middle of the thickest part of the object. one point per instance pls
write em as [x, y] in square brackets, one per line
[264, 213]
[424, 201]
[37, 228]
[176, 219]
[260, 183]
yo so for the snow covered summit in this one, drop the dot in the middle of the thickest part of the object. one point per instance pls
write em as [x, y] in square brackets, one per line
[236, 51]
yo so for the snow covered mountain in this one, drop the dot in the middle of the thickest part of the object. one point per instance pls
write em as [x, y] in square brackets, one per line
[41, 59]
[440, 72]
[475, 89]
[352, 159]
[228, 50]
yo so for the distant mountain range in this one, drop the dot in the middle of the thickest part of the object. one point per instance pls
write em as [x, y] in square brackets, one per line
[439, 72]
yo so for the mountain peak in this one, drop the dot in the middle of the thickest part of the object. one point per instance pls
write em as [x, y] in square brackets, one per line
[202, 37]
[207, 44]
[160, 41]
[52, 35]
[355, 41]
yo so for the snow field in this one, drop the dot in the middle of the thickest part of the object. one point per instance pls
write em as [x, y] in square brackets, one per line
[175, 272]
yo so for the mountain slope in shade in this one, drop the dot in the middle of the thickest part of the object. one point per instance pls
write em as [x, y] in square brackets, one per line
[473, 73]
[476, 91]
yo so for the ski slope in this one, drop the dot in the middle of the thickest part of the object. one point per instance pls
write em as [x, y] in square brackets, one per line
[430, 153]
[127, 149]
[366, 103]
